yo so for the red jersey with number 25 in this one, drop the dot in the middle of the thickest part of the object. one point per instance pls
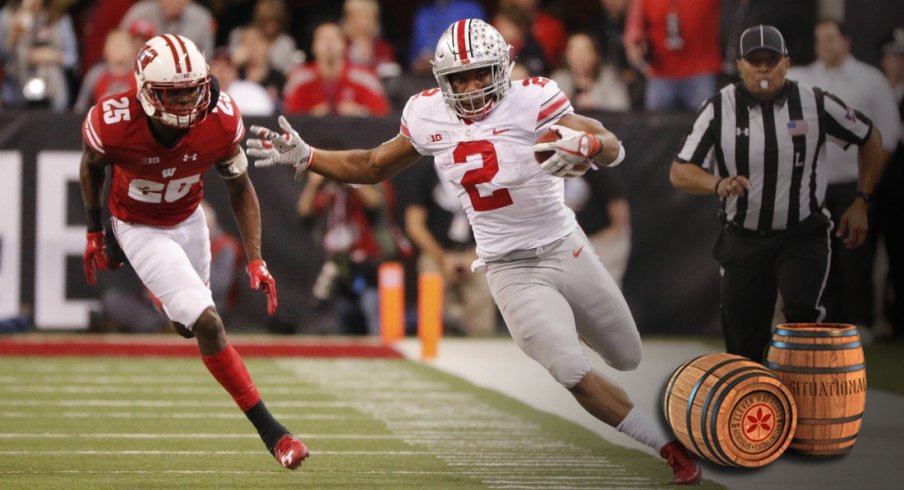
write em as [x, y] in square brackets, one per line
[153, 184]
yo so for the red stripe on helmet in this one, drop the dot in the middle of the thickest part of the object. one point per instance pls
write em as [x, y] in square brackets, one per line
[460, 38]
[184, 50]
[174, 51]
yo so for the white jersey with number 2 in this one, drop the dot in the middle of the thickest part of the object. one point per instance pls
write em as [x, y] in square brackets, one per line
[511, 203]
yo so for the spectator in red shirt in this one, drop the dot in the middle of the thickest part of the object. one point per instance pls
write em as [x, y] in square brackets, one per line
[114, 74]
[330, 85]
[514, 23]
[366, 47]
[675, 43]
[548, 30]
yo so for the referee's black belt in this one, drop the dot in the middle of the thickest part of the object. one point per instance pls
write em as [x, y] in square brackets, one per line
[746, 232]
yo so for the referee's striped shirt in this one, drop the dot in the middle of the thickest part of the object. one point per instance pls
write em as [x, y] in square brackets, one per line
[778, 145]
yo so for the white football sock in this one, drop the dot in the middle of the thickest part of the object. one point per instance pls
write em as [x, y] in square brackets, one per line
[643, 430]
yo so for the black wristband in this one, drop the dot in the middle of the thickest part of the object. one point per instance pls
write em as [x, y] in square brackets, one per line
[716, 187]
[94, 221]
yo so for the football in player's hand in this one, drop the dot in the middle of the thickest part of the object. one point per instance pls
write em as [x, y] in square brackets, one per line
[547, 137]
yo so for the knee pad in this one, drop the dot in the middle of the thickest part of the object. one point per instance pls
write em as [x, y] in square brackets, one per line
[569, 370]
[186, 306]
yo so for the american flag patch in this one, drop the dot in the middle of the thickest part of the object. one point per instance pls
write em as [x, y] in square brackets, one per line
[797, 128]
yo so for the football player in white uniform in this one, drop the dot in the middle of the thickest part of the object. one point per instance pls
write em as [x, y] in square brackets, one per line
[553, 291]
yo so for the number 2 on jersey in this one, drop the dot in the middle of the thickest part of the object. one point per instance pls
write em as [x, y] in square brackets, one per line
[500, 198]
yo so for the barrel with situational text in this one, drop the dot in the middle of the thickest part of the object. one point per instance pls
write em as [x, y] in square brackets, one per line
[822, 364]
[730, 410]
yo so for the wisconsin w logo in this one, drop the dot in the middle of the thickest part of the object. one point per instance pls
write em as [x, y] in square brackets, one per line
[169, 172]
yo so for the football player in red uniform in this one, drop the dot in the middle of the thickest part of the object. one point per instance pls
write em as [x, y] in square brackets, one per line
[159, 141]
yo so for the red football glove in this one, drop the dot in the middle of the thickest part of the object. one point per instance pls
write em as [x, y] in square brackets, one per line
[94, 256]
[261, 279]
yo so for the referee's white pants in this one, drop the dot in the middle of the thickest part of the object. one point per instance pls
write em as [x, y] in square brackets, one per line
[552, 301]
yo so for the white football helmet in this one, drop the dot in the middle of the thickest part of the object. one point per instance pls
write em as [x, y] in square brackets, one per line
[173, 81]
[470, 44]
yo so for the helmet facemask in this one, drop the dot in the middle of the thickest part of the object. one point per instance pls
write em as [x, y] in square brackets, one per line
[472, 44]
[178, 115]
[476, 104]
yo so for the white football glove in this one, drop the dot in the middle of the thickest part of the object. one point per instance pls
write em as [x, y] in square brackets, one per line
[571, 150]
[280, 149]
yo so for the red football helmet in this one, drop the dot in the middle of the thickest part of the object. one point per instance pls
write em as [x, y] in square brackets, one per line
[173, 81]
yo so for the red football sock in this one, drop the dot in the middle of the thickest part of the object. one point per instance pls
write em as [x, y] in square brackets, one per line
[227, 367]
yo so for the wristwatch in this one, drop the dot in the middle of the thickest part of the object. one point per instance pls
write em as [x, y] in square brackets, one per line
[866, 196]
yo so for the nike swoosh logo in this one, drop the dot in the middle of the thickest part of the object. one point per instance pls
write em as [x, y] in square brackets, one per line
[500, 131]
[578, 251]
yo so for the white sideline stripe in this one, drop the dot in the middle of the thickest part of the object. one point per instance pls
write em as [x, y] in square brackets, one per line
[233, 415]
[63, 435]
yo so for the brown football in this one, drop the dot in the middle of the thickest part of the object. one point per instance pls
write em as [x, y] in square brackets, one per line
[551, 135]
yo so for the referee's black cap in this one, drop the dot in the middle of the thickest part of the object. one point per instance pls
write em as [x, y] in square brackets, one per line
[762, 37]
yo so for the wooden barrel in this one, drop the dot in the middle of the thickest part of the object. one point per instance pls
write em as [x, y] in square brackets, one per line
[822, 365]
[730, 410]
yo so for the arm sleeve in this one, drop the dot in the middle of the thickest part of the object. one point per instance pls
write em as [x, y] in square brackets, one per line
[228, 113]
[842, 124]
[698, 144]
[409, 117]
[91, 130]
[553, 103]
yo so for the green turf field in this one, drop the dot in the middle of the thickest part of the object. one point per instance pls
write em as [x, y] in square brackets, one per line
[164, 423]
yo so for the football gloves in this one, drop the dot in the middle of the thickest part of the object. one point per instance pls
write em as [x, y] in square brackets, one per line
[280, 149]
[573, 152]
[95, 258]
[261, 279]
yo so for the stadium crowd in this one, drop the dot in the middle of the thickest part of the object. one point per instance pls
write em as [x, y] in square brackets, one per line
[654, 55]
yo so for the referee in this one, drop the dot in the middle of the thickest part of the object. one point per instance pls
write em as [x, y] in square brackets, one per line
[759, 145]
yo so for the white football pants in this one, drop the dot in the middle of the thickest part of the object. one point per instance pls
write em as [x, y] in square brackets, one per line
[553, 300]
[173, 262]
